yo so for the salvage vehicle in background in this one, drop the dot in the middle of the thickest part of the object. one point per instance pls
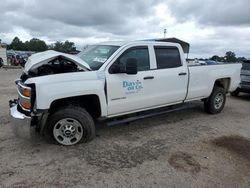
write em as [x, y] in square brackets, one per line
[245, 79]
[61, 95]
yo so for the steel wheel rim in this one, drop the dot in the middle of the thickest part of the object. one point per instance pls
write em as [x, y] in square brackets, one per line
[68, 131]
[218, 101]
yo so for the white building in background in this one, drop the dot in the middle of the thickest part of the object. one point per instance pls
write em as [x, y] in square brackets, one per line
[3, 53]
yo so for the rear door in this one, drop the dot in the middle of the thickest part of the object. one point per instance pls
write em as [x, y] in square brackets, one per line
[170, 76]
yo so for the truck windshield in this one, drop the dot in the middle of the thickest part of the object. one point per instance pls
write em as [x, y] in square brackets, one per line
[96, 55]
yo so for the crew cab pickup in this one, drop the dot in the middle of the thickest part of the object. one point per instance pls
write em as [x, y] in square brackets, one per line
[61, 95]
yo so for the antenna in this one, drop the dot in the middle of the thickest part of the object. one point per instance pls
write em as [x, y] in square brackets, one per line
[165, 32]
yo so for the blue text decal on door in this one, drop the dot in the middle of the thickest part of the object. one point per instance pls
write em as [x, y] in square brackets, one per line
[132, 87]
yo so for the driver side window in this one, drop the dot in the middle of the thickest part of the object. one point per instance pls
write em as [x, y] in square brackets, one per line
[141, 54]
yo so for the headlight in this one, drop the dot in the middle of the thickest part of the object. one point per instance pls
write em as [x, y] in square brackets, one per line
[26, 105]
[24, 96]
[24, 90]
[27, 92]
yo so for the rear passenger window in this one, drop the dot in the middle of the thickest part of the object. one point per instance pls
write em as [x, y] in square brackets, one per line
[167, 57]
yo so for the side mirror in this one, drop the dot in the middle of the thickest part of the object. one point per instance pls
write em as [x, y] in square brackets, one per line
[131, 66]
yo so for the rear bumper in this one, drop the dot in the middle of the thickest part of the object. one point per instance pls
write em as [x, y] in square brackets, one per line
[20, 123]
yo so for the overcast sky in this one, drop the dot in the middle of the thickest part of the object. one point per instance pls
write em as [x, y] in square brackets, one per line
[211, 26]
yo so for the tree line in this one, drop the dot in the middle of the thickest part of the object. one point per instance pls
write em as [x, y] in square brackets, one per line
[37, 45]
[228, 57]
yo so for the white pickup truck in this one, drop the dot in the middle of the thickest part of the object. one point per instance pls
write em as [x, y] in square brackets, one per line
[61, 95]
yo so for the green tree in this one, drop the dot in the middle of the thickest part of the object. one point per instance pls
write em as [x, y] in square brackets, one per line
[16, 44]
[230, 56]
[215, 58]
[69, 46]
[66, 47]
[26, 46]
[58, 46]
[36, 45]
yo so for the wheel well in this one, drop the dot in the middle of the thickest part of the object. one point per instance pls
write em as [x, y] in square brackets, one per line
[224, 83]
[91, 103]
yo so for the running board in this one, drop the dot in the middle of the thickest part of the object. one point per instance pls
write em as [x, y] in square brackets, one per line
[143, 116]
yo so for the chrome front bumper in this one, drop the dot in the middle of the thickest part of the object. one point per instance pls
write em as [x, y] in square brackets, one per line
[20, 123]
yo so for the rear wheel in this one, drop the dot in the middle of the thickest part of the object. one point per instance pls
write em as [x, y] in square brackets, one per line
[70, 126]
[216, 101]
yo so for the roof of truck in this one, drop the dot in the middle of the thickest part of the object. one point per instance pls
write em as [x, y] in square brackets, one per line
[185, 46]
[114, 43]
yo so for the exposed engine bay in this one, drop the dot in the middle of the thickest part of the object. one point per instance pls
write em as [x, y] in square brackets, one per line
[56, 66]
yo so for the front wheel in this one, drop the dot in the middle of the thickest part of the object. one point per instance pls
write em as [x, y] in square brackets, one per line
[71, 125]
[216, 101]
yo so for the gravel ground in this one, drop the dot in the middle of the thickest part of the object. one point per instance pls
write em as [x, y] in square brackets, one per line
[188, 148]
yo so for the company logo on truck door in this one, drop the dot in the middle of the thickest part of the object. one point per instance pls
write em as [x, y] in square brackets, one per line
[132, 87]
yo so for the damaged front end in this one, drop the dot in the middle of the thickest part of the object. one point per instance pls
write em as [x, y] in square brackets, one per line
[52, 62]
[24, 117]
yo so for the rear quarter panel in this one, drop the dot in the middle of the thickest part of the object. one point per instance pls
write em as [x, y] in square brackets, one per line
[202, 78]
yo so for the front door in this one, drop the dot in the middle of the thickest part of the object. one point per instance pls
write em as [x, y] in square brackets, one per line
[127, 93]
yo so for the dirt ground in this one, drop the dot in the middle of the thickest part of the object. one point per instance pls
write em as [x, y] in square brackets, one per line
[188, 148]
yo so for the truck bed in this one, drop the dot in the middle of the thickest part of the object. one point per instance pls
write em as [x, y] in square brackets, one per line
[203, 77]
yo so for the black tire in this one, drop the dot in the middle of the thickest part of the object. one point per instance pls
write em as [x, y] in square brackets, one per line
[235, 93]
[76, 115]
[213, 103]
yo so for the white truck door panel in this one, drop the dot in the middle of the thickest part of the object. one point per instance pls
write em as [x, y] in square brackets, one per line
[169, 86]
[127, 93]
[171, 76]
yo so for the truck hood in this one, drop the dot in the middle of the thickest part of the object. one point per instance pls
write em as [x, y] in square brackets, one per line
[42, 58]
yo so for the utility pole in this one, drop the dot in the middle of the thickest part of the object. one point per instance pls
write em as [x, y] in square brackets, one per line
[165, 32]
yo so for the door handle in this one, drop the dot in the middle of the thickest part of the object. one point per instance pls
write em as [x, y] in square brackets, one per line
[148, 78]
[182, 73]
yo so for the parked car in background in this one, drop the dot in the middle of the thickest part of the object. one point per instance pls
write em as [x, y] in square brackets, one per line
[245, 79]
[17, 58]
